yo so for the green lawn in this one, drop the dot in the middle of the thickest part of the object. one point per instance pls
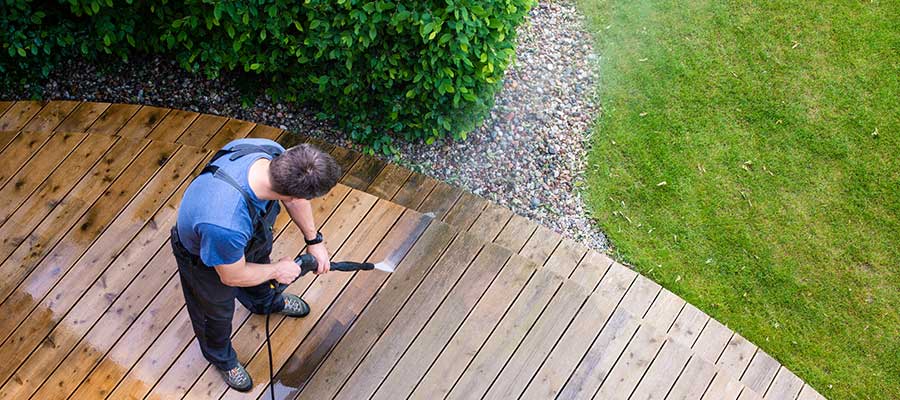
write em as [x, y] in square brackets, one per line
[774, 125]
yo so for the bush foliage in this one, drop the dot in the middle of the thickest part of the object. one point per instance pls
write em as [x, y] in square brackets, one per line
[381, 69]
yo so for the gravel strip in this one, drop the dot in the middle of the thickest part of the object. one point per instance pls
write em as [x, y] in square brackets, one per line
[529, 154]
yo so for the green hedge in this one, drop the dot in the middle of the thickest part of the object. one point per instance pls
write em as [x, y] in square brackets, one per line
[381, 69]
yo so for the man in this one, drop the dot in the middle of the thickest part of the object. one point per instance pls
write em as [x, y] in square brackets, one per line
[223, 238]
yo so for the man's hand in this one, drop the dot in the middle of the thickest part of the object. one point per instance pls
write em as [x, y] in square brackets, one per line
[286, 271]
[321, 254]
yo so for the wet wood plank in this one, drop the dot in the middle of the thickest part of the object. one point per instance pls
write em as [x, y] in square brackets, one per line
[50, 116]
[578, 338]
[467, 209]
[111, 238]
[128, 356]
[385, 349]
[143, 122]
[344, 157]
[19, 150]
[363, 172]
[86, 291]
[202, 130]
[389, 181]
[19, 114]
[396, 289]
[82, 117]
[28, 178]
[191, 364]
[693, 381]
[464, 314]
[439, 201]
[661, 375]
[113, 119]
[291, 139]
[172, 126]
[265, 132]
[414, 191]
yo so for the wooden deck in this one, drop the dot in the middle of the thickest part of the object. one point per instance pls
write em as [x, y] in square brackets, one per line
[484, 304]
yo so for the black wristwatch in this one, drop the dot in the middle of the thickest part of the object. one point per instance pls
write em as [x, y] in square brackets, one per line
[317, 240]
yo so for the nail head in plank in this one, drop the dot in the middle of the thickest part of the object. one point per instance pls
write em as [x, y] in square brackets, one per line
[113, 119]
[516, 232]
[464, 313]
[694, 380]
[83, 117]
[760, 372]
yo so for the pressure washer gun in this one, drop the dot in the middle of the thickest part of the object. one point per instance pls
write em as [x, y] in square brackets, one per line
[308, 263]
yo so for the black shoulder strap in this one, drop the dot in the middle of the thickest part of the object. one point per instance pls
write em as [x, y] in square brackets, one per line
[238, 151]
[218, 173]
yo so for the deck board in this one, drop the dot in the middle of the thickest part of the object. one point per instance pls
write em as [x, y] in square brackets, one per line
[484, 304]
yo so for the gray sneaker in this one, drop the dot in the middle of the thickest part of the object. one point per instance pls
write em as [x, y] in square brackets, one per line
[294, 306]
[238, 378]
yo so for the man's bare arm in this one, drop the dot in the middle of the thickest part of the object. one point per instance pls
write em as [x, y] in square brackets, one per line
[244, 274]
[301, 213]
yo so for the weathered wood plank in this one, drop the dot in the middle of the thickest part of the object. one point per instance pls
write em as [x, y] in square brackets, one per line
[28, 178]
[712, 341]
[19, 114]
[688, 325]
[19, 150]
[723, 387]
[82, 117]
[491, 221]
[95, 283]
[172, 126]
[344, 157]
[663, 372]
[469, 355]
[383, 351]
[631, 366]
[664, 311]
[575, 343]
[760, 372]
[516, 233]
[201, 130]
[190, 365]
[50, 116]
[598, 362]
[466, 211]
[540, 245]
[640, 296]
[389, 181]
[342, 312]
[786, 386]
[439, 201]
[373, 321]
[414, 191]
[143, 370]
[113, 119]
[75, 286]
[694, 380]
[737, 356]
[363, 172]
[808, 393]
[143, 122]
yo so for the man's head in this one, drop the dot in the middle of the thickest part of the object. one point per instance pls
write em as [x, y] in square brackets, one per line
[304, 171]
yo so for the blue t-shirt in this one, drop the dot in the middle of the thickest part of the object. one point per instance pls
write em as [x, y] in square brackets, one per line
[213, 218]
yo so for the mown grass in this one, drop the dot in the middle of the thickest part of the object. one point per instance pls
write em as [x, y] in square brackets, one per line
[774, 127]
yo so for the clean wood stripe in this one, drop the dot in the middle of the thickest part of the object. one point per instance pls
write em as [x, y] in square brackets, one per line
[19, 151]
[761, 372]
[113, 119]
[50, 116]
[143, 122]
[82, 117]
[172, 126]
[201, 130]
[19, 114]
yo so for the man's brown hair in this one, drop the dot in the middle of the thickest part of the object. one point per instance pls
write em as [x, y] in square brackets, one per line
[304, 171]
